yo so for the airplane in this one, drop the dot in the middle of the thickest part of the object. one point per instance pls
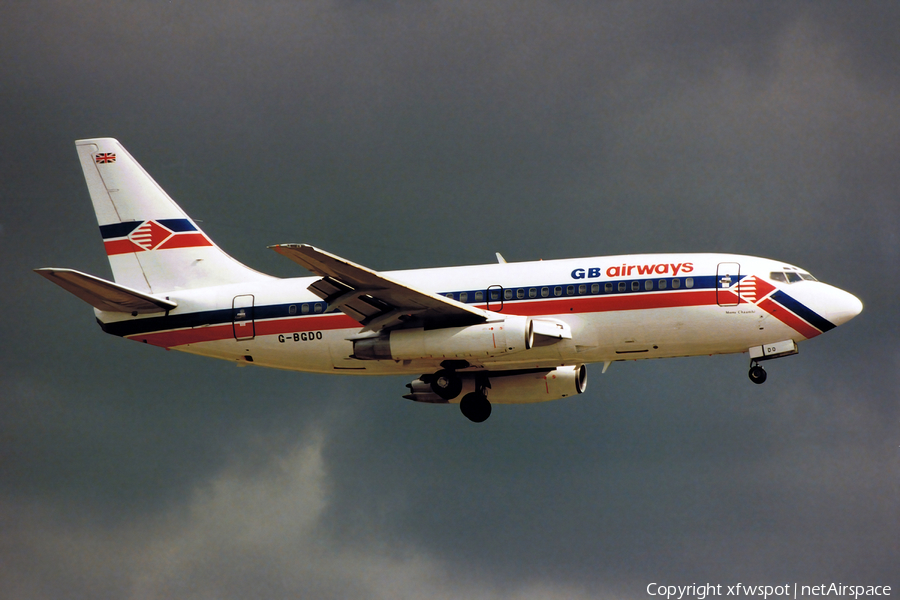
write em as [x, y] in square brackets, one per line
[478, 335]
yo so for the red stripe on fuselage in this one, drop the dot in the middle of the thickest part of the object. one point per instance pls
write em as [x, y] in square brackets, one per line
[181, 337]
[225, 331]
[568, 305]
[789, 318]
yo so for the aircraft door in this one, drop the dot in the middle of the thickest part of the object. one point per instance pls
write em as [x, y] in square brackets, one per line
[728, 284]
[242, 318]
[495, 298]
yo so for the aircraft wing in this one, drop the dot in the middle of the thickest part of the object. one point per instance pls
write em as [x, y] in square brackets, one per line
[374, 300]
[104, 294]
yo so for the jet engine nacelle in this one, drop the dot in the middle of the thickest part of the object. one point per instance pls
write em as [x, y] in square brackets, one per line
[514, 388]
[513, 334]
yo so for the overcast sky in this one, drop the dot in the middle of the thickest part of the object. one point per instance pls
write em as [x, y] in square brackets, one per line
[417, 134]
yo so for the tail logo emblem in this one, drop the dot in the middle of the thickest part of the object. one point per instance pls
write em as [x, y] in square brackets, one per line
[149, 235]
[142, 236]
[105, 157]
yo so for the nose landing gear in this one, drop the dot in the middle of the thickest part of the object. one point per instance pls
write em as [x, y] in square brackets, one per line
[768, 352]
[757, 373]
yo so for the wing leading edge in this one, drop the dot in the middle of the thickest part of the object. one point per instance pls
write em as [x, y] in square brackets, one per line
[375, 301]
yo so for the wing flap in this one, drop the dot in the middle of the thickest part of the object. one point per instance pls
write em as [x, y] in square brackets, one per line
[374, 300]
[105, 295]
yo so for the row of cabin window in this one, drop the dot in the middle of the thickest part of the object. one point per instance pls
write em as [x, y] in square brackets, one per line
[608, 288]
[315, 307]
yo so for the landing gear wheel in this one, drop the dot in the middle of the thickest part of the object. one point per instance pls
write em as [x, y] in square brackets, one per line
[475, 407]
[446, 384]
[757, 374]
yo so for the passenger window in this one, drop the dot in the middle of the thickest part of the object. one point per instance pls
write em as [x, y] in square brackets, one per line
[582, 289]
[570, 290]
[545, 292]
[507, 294]
[304, 309]
[532, 292]
[318, 307]
[463, 296]
[676, 283]
[557, 291]
[689, 282]
[479, 296]
[648, 285]
[595, 288]
[607, 287]
[520, 293]
[292, 309]
[450, 295]
[777, 276]
[662, 284]
[495, 295]
[621, 286]
[635, 286]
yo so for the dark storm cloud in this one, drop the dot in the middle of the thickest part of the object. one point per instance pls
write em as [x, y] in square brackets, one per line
[418, 134]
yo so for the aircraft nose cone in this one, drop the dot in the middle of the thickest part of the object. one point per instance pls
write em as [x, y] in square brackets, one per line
[844, 306]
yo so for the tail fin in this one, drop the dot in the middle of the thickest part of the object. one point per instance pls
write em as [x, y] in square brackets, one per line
[153, 245]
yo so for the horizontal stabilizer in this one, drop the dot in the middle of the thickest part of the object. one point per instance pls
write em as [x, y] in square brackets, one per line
[105, 295]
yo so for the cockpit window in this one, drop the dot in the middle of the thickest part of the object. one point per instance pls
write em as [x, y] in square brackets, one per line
[790, 276]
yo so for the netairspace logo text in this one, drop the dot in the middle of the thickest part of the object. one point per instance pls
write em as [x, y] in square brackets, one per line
[788, 590]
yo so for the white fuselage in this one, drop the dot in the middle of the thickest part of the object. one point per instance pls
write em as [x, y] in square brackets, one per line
[617, 307]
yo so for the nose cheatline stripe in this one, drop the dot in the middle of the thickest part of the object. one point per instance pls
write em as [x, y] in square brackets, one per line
[804, 312]
[840, 307]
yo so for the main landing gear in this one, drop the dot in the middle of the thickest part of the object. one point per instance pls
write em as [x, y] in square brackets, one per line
[447, 384]
[475, 406]
[757, 373]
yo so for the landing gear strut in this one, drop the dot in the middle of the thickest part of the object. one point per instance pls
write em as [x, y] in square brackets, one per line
[757, 373]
